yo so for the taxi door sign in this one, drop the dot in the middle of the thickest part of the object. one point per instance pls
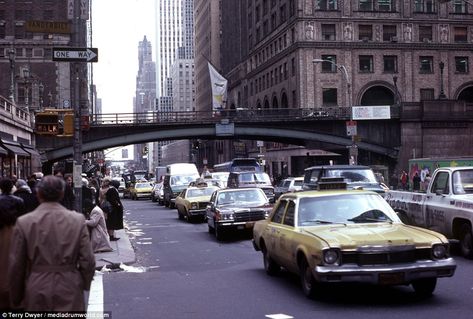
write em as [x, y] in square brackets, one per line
[351, 128]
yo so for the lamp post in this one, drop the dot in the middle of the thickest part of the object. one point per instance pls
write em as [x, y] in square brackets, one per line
[26, 75]
[442, 93]
[11, 57]
[353, 148]
[41, 92]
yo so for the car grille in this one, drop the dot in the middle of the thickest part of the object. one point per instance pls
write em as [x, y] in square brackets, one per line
[203, 205]
[249, 215]
[385, 258]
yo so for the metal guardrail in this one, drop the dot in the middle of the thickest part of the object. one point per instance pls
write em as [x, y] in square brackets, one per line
[238, 115]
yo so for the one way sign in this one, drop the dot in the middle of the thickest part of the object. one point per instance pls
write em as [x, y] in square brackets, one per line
[75, 54]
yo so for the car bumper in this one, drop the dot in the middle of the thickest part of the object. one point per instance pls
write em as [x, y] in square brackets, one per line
[141, 195]
[389, 275]
[197, 212]
[236, 225]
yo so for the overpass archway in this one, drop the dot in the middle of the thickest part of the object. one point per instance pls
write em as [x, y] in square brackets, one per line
[378, 94]
[465, 93]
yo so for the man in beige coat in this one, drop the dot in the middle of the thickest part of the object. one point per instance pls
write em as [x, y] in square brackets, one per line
[51, 260]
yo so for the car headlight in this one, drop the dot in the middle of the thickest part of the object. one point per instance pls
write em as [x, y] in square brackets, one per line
[227, 216]
[194, 206]
[439, 251]
[331, 256]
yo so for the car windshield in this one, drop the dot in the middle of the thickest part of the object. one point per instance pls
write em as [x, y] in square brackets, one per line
[143, 185]
[241, 197]
[255, 178]
[197, 192]
[354, 175]
[346, 209]
[463, 182]
[181, 180]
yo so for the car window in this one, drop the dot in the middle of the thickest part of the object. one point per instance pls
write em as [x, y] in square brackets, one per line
[287, 184]
[289, 217]
[463, 182]
[314, 176]
[279, 212]
[440, 183]
[298, 182]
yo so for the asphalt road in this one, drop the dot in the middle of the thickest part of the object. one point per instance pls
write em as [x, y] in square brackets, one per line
[188, 274]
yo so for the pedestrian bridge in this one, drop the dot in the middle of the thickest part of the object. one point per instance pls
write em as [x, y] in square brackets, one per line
[325, 127]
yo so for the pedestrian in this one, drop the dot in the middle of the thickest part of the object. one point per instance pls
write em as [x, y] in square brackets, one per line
[98, 229]
[115, 218]
[24, 192]
[394, 181]
[416, 182]
[51, 259]
[11, 207]
[87, 194]
[403, 180]
[69, 197]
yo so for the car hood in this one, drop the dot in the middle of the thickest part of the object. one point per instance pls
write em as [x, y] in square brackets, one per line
[235, 207]
[199, 199]
[351, 236]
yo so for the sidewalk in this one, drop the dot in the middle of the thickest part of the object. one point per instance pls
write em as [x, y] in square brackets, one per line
[123, 253]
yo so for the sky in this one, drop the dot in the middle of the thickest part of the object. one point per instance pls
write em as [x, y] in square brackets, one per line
[117, 28]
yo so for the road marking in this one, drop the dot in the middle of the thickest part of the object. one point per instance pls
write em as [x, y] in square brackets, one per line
[96, 296]
[279, 316]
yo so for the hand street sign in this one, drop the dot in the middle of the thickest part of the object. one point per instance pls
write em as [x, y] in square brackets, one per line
[66, 54]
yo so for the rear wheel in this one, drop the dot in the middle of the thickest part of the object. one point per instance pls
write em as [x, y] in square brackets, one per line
[424, 287]
[466, 241]
[270, 266]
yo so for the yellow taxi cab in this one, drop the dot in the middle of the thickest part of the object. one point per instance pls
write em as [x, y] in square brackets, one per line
[344, 235]
[141, 189]
[192, 202]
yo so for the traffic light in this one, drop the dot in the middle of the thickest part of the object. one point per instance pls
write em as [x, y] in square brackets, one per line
[46, 123]
[145, 150]
[68, 124]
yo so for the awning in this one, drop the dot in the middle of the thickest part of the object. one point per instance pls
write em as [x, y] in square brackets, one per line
[3, 151]
[30, 150]
[15, 148]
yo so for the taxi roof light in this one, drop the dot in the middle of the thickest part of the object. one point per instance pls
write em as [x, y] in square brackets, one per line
[332, 183]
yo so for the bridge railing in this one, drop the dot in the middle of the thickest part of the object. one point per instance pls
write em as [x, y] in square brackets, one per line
[13, 112]
[235, 115]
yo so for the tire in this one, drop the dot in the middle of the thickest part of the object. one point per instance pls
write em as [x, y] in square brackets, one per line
[466, 241]
[154, 199]
[179, 215]
[424, 287]
[308, 282]
[219, 234]
[172, 205]
[211, 229]
[270, 266]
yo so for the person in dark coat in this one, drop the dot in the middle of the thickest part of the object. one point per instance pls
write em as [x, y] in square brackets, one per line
[87, 195]
[11, 207]
[51, 261]
[69, 197]
[24, 192]
[115, 217]
[416, 182]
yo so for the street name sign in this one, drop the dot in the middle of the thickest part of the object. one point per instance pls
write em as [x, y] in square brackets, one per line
[67, 54]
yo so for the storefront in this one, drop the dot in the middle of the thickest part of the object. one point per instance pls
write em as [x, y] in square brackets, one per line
[16, 160]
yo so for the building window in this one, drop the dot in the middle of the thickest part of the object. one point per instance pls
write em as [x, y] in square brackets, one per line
[389, 33]
[460, 6]
[292, 7]
[390, 63]
[327, 5]
[460, 34]
[461, 64]
[293, 67]
[426, 64]
[385, 5]
[328, 67]
[366, 63]
[424, 6]
[328, 32]
[329, 97]
[366, 5]
[365, 32]
[425, 33]
[426, 94]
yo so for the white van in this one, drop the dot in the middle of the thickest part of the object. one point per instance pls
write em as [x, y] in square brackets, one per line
[178, 176]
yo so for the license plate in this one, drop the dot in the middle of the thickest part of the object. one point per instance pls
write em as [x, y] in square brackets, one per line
[391, 278]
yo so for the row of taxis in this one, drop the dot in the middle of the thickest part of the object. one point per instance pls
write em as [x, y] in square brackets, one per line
[335, 235]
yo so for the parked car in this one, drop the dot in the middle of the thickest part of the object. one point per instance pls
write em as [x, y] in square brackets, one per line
[236, 209]
[141, 190]
[157, 194]
[355, 176]
[252, 179]
[192, 202]
[336, 236]
[290, 184]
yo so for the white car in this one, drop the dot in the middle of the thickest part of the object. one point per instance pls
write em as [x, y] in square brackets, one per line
[290, 184]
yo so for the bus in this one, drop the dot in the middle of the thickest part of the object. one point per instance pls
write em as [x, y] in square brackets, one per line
[239, 165]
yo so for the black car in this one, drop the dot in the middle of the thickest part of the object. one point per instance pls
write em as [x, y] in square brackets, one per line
[252, 179]
[236, 209]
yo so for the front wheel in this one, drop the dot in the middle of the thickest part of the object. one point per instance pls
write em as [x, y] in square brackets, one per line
[424, 287]
[270, 266]
[218, 232]
[307, 279]
[466, 241]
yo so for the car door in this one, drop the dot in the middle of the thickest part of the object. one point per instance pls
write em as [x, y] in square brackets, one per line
[285, 243]
[273, 230]
[438, 202]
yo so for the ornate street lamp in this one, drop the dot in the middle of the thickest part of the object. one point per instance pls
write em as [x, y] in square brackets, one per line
[26, 75]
